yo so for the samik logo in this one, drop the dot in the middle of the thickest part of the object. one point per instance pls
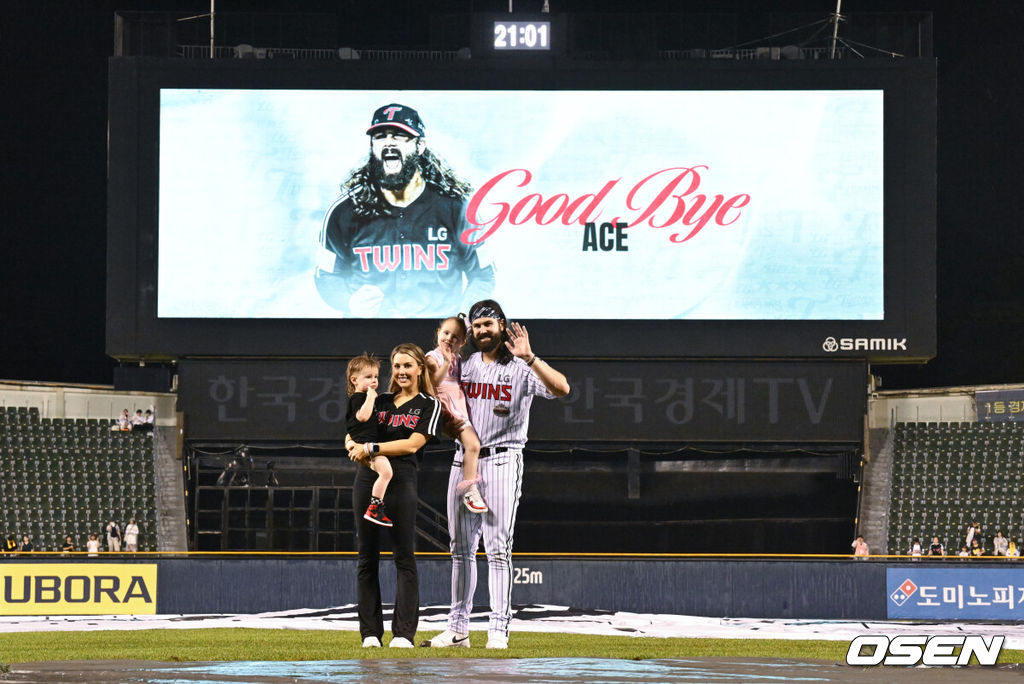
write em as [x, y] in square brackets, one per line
[937, 651]
[864, 344]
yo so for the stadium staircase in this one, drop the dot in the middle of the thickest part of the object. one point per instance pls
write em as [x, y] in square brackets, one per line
[873, 521]
[170, 491]
[946, 475]
[70, 476]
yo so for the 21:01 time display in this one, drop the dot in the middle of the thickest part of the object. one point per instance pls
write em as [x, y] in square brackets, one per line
[522, 35]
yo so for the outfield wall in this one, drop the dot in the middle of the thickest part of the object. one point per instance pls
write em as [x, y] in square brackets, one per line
[810, 589]
[821, 589]
[813, 589]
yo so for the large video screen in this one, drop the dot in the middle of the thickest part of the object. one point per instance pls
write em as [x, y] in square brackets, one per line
[695, 210]
[560, 204]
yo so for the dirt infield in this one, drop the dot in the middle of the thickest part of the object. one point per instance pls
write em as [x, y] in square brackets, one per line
[546, 670]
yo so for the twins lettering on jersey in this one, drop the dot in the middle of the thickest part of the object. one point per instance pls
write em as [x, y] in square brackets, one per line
[387, 258]
[483, 390]
[398, 420]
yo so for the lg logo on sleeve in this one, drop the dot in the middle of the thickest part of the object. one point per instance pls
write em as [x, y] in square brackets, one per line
[878, 649]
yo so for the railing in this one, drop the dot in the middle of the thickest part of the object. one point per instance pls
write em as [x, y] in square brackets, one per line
[761, 53]
[432, 525]
[317, 54]
[380, 55]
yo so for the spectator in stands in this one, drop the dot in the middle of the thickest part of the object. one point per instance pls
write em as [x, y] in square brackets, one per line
[113, 536]
[125, 422]
[93, 545]
[138, 420]
[936, 548]
[973, 532]
[131, 536]
[69, 545]
[10, 545]
[148, 422]
[1012, 552]
[964, 553]
[26, 544]
[860, 547]
[976, 548]
[916, 550]
[999, 544]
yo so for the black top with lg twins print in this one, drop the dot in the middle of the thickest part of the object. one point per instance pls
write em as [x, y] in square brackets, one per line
[420, 414]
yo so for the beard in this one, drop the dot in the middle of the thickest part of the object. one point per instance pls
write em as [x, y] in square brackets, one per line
[394, 181]
[488, 344]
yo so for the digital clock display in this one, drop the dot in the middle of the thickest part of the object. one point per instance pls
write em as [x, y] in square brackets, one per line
[522, 35]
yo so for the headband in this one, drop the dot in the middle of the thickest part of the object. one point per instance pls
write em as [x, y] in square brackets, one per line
[485, 311]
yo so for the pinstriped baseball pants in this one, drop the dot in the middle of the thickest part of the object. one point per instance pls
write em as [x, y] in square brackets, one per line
[501, 485]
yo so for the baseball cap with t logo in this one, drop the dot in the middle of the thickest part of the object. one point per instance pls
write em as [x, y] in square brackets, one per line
[397, 116]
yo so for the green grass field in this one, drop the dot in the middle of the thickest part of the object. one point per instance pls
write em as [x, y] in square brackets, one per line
[196, 645]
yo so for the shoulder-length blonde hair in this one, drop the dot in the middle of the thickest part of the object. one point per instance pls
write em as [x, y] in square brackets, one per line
[426, 385]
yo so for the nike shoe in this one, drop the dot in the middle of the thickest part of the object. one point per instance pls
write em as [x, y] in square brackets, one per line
[371, 642]
[375, 514]
[400, 642]
[495, 640]
[448, 639]
[473, 501]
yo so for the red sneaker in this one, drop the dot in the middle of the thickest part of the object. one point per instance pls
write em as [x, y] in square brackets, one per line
[375, 514]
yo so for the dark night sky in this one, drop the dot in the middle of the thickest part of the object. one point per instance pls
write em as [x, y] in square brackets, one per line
[54, 56]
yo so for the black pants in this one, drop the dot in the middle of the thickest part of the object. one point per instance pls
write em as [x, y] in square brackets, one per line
[401, 501]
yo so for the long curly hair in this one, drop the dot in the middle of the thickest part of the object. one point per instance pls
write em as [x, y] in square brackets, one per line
[368, 200]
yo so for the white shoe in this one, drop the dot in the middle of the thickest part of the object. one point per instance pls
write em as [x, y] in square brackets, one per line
[371, 642]
[448, 639]
[473, 501]
[495, 640]
[400, 642]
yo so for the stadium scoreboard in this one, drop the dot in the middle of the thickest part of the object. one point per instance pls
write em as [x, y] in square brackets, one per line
[664, 210]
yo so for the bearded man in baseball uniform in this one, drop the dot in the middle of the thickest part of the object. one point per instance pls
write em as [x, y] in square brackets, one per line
[500, 381]
[391, 245]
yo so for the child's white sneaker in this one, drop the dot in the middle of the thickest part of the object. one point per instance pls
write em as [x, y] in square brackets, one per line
[473, 501]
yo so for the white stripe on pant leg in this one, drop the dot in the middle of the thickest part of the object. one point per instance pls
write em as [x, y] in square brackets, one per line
[504, 482]
[518, 485]
[464, 528]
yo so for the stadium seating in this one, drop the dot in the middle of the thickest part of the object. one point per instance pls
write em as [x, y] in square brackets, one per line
[946, 475]
[69, 476]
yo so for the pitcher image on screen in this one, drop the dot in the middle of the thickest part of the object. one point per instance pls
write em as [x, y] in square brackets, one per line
[390, 244]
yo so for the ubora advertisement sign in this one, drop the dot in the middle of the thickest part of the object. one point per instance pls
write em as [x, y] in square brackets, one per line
[78, 589]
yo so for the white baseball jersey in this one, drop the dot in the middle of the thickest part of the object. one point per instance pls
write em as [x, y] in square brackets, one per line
[499, 398]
